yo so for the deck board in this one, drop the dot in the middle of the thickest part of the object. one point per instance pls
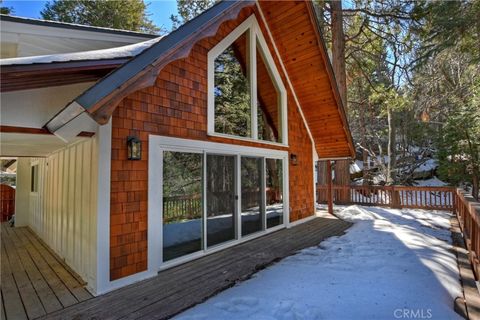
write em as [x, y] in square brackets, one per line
[33, 282]
[31, 302]
[181, 287]
[44, 292]
[13, 302]
[71, 281]
[64, 295]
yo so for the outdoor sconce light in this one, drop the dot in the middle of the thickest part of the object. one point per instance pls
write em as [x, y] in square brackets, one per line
[134, 146]
[293, 159]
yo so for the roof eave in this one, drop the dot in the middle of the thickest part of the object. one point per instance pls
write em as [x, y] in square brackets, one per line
[33, 76]
[331, 76]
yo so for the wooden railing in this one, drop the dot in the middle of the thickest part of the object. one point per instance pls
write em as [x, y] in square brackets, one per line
[436, 198]
[7, 202]
[468, 214]
[189, 207]
[182, 208]
[458, 201]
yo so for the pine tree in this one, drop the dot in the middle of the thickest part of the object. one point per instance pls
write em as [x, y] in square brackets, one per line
[189, 9]
[5, 10]
[116, 14]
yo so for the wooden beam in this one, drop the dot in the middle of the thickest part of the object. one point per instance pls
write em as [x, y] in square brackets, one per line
[329, 190]
[26, 130]
[14, 129]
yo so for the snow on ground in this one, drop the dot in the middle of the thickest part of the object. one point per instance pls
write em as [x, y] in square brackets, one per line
[433, 182]
[391, 264]
[429, 165]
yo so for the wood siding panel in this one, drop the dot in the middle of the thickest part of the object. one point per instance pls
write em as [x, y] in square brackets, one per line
[177, 106]
[63, 212]
[296, 39]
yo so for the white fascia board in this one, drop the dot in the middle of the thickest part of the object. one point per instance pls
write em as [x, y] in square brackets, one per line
[70, 130]
[68, 33]
[66, 115]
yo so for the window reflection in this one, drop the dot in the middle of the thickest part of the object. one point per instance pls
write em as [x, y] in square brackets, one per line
[232, 90]
[252, 202]
[182, 204]
[274, 192]
[268, 107]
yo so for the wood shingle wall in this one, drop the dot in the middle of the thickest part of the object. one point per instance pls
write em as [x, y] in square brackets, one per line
[177, 106]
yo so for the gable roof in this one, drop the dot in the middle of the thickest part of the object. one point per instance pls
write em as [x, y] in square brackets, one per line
[332, 139]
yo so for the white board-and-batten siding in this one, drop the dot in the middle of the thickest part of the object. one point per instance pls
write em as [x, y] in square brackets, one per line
[63, 211]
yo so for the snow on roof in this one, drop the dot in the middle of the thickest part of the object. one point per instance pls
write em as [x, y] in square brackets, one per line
[102, 54]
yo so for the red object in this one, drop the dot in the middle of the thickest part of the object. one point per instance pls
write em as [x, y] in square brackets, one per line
[7, 202]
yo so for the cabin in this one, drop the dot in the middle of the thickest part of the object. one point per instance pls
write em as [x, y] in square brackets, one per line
[138, 153]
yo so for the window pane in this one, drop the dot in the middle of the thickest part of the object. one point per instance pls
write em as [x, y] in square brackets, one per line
[34, 179]
[220, 199]
[232, 90]
[182, 204]
[268, 106]
[252, 216]
[274, 192]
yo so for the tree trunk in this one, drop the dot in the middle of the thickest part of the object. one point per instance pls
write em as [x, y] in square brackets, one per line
[475, 185]
[475, 166]
[342, 167]
[365, 171]
[338, 50]
[391, 152]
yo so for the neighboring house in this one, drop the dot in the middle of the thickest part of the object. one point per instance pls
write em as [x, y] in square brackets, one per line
[224, 117]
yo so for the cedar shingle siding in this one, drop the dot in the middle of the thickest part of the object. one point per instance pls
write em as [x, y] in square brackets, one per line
[177, 106]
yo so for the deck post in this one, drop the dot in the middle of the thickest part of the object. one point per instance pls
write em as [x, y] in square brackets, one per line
[329, 189]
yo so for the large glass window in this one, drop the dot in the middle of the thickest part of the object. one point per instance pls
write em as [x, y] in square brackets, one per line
[182, 204]
[34, 179]
[267, 103]
[252, 195]
[232, 90]
[247, 98]
[274, 192]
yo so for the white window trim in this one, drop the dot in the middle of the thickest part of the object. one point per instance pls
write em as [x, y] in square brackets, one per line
[37, 183]
[158, 144]
[254, 35]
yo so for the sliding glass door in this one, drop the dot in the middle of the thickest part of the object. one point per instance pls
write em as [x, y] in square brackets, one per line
[221, 199]
[252, 208]
[274, 192]
[210, 198]
[182, 204]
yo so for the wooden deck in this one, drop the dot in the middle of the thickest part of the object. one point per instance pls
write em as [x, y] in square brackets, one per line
[179, 288]
[34, 281]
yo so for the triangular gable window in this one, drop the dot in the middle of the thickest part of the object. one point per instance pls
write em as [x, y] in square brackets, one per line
[246, 96]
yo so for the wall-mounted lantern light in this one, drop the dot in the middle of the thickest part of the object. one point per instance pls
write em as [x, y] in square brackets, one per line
[293, 159]
[134, 146]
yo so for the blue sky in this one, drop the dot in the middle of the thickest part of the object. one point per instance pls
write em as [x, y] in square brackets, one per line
[160, 10]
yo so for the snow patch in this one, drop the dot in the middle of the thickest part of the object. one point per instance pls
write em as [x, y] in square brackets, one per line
[432, 182]
[389, 260]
